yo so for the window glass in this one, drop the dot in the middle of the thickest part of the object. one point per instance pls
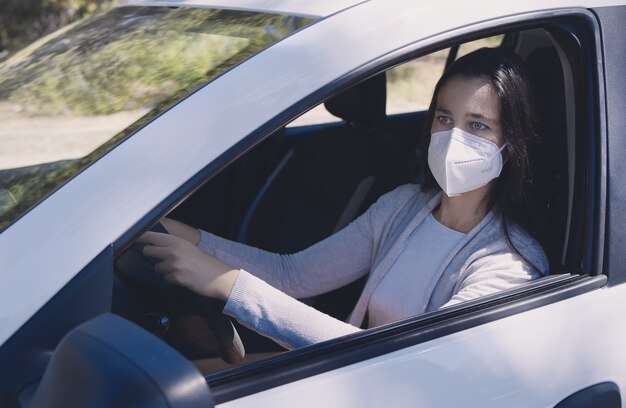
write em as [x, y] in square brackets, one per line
[490, 42]
[315, 116]
[410, 85]
[409, 88]
[72, 96]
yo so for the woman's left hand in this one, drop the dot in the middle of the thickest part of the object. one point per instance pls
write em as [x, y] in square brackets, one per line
[185, 265]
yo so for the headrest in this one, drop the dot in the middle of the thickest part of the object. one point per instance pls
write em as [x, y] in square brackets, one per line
[363, 104]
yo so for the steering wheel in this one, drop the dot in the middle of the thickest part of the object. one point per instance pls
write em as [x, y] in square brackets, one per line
[138, 275]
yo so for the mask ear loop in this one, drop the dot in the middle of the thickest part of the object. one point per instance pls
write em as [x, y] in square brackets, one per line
[500, 152]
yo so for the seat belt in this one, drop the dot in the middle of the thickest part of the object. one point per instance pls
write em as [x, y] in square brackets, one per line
[355, 203]
[242, 234]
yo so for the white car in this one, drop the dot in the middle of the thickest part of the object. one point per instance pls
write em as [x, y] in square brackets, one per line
[274, 123]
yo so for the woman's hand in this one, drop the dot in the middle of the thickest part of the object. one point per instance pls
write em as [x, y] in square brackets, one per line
[181, 230]
[185, 265]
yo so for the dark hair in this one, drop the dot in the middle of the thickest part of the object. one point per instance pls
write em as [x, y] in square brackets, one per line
[514, 195]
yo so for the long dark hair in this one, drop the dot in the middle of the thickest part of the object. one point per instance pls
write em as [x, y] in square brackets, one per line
[515, 195]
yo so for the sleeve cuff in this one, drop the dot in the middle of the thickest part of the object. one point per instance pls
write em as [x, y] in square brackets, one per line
[204, 243]
[237, 297]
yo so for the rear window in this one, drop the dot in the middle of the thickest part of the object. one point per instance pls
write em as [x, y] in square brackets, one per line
[72, 96]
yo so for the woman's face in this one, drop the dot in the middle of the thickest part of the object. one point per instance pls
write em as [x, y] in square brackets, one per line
[469, 104]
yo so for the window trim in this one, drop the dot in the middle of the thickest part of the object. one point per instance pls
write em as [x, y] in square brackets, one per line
[611, 120]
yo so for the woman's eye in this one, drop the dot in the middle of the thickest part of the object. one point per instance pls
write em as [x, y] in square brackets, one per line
[444, 120]
[478, 126]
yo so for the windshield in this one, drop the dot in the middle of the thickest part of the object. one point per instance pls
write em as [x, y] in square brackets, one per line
[72, 96]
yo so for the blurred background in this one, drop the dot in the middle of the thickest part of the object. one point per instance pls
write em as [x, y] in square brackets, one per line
[24, 21]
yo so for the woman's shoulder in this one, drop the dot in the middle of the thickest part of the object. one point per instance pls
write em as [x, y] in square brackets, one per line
[527, 246]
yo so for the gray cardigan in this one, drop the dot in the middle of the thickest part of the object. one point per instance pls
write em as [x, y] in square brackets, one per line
[264, 295]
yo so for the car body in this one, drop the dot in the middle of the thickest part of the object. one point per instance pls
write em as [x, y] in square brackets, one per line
[557, 338]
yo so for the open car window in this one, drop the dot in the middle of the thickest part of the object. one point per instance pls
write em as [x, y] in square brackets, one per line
[409, 85]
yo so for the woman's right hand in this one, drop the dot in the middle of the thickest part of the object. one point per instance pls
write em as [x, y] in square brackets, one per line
[183, 264]
[181, 230]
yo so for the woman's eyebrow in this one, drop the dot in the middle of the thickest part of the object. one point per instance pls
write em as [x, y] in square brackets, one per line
[481, 116]
[443, 110]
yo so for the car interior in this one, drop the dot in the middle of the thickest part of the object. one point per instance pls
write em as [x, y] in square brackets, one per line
[303, 183]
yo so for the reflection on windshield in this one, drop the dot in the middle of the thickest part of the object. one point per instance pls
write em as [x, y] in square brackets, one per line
[71, 97]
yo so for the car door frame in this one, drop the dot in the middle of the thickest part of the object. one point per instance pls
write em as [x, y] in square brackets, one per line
[342, 353]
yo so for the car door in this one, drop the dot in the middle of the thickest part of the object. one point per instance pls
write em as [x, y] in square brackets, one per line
[515, 349]
[530, 347]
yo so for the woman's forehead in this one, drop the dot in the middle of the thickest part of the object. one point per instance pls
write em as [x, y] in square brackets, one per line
[472, 97]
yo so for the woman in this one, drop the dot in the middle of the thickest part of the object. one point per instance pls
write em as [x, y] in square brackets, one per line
[422, 248]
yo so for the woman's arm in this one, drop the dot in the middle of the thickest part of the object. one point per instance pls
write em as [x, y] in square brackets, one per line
[492, 274]
[330, 264]
[250, 300]
[261, 300]
[271, 313]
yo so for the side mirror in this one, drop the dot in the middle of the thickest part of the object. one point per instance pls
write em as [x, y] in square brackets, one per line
[111, 362]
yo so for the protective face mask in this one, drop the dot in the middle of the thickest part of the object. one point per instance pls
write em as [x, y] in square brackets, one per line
[462, 162]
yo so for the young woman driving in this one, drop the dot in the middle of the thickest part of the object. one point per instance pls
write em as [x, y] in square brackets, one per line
[460, 235]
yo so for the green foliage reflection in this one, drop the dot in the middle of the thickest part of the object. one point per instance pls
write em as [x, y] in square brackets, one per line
[132, 57]
[128, 59]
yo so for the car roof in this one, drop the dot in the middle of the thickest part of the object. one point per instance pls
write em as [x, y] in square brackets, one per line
[324, 8]
[304, 8]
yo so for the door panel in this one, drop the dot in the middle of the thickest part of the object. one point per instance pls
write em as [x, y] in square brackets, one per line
[531, 359]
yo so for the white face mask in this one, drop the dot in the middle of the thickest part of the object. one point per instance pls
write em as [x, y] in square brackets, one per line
[462, 162]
